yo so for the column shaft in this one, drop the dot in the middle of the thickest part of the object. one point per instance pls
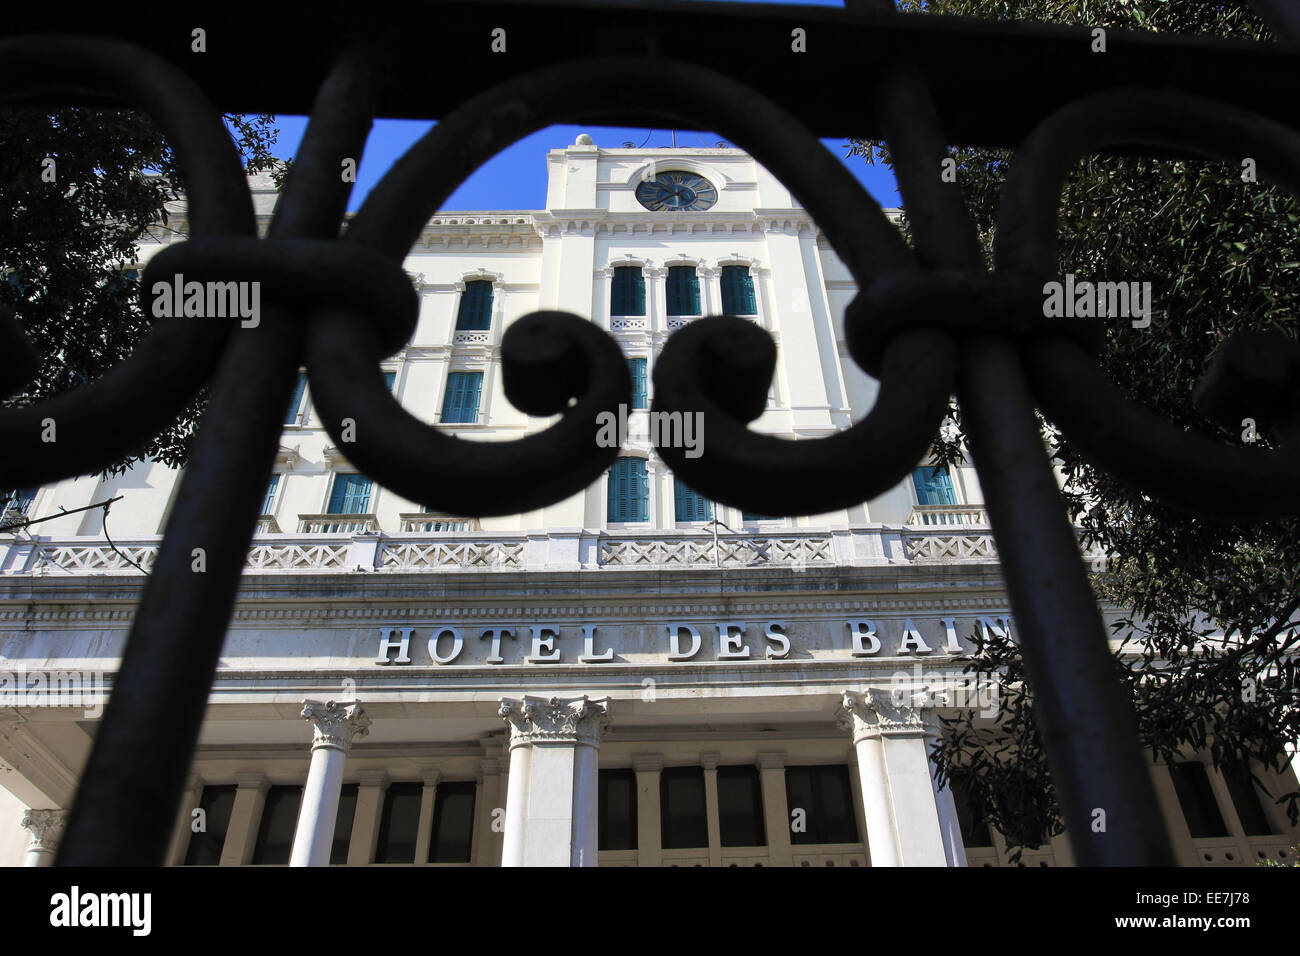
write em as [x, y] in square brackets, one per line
[334, 726]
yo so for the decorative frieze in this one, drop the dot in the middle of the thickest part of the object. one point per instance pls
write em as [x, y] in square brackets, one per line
[335, 724]
[562, 719]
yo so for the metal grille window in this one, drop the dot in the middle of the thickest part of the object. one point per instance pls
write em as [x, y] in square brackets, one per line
[629, 491]
[628, 294]
[453, 823]
[350, 495]
[400, 823]
[682, 808]
[475, 313]
[460, 403]
[637, 366]
[683, 291]
[616, 810]
[933, 486]
[206, 845]
[1196, 797]
[740, 807]
[826, 799]
[691, 505]
[275, 833]
[738, 291]
[295, 404]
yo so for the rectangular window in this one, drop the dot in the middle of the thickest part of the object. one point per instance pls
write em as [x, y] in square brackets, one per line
[1196, 797]
[627, 297]
[975, 831]
[933, 486]
[18, 500]
[749, 516]
[275, 833]
[453, 823]
[637, 366]
[683, 291]
[295, 403]
[824, 794]
[269, 501]
[350, 495]
[475, 307]
[740, 807]
[205, 847]
[616, 810]
[399, 824]
[343, 824]
[682, 810]
[1245, 798]
[389, 379]
[691, 505]
[460, 403]
[738, 291]
[629, 491]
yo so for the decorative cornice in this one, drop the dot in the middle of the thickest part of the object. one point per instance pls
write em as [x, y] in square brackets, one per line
[876, 712]
[335, 724]
[46, 827]
[569, 719]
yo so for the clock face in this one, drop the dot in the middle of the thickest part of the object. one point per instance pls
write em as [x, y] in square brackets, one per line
[676, 191]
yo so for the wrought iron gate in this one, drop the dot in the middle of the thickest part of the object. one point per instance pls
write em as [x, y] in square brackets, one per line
[928, 324]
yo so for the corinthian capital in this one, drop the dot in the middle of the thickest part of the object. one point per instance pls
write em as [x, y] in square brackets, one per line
[569, 719]
[46, 827]
[874, 711]
[335, 724]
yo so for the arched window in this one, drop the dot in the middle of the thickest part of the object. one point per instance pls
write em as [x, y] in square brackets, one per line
[475, 307]
[627, 297]
[738, 291]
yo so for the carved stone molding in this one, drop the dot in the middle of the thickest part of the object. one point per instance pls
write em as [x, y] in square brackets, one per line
[563, 719]
[46, 827]
[875, 712]
[335, 724]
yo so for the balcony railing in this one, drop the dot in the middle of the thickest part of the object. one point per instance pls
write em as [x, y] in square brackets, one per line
[337, 524]
[426, 521]
[948, 514]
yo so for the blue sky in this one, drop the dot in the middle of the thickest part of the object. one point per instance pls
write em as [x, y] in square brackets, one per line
[516, 177]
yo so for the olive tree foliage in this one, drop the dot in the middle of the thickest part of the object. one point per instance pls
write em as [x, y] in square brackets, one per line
[1223, 255]
[79, 189]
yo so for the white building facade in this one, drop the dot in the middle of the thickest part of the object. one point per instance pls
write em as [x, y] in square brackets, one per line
[633, 676]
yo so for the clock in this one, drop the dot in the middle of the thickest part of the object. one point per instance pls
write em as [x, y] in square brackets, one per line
[676, 191]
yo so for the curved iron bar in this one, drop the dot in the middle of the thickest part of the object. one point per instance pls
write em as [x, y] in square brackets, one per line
[1183, 468]
[102, 422]
[548, 360]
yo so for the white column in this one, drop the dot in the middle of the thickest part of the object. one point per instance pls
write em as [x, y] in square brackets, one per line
[245, 816]
[552, 793]
[656, 295]
[954, 850]
[710, 290]
[776, 808]
[46, 827]
[712, 813]
[428, 800]
[334, 725]
[649, 825]
[900, 805]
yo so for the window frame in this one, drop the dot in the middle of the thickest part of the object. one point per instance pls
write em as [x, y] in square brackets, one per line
[478, 375]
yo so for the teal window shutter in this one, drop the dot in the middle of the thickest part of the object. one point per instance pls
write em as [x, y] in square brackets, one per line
[269, 501]
[460, 403]
[755, 516]
[389, 379]
[350, 495]
[738, 291]
[683, 291]
[296, 402]
[628, 294]
[629, 491]
[637, 367]
[933, 486]
[475, 307]
[18, 499]
[691, 505]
